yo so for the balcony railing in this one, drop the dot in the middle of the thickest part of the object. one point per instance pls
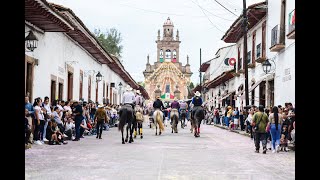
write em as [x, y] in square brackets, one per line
[292, 24]
[259, 57]
[277, 39]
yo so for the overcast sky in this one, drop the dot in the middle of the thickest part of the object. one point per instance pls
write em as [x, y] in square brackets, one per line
[201, 24]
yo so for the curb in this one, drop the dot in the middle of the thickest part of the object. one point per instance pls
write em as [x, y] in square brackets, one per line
[290, 146]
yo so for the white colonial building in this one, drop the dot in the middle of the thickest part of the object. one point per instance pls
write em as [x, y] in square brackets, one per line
[217, 71]
[266, 44]
[68, 58]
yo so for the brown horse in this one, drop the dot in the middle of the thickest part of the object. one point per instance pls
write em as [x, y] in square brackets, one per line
[196, 118]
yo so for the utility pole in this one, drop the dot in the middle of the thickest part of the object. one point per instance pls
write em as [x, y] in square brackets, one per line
[245, 23]
[200, 74]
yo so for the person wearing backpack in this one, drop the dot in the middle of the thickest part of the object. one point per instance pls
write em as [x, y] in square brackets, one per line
[259, 122]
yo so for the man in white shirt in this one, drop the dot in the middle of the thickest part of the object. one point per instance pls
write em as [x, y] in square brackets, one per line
[128, 97]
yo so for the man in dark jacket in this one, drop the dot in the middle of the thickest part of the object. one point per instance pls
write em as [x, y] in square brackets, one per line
[78, 118]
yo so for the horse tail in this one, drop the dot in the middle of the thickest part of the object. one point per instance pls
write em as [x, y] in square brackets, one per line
[159, 121]
[122, 119]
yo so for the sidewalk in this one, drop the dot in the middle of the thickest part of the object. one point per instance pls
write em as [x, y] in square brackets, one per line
[290, 146]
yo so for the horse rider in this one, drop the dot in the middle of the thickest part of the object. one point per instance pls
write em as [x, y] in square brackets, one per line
[158, 105]
[183, 107]
[174, 109]
[128, 97]
[137, 110]
[196, 102]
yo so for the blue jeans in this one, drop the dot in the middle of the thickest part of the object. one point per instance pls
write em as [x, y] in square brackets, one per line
[226, 121]
[275, 135]
[77, 128]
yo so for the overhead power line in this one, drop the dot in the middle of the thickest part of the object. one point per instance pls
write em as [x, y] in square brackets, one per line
[207, 16]
[225, 8]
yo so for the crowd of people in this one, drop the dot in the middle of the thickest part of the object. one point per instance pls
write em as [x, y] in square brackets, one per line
[275, 125]
[60, 121]
[57, 122]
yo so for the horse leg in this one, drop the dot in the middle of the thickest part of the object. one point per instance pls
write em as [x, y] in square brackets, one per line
[131, 130]
[122, 136]
[156, 128]
[127, 128]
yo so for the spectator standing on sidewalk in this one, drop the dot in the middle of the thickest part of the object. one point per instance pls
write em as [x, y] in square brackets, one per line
[48, 116]
[38, 121]
[229, 114]
[78, 118]
[236, 118]
[259, 122]
[241, 118]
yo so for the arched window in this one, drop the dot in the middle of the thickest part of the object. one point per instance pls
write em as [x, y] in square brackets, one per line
[168, 55]
[161, 55]
[174, 56]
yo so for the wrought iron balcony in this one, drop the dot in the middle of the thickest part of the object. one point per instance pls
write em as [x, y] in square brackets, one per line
[259, 57]
[277, 39]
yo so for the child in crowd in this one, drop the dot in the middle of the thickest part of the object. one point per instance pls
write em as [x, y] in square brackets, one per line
[69, 128]
[284, 139]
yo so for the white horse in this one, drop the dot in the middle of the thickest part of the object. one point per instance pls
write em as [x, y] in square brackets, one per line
[158, 118]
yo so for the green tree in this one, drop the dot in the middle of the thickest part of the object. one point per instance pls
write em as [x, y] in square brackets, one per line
[110, 40]
[191, 85]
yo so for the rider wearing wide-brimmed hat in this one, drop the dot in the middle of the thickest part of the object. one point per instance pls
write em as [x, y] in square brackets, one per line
[128, 97]
[196, 101]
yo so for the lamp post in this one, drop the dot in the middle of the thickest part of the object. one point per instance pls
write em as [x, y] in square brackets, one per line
[31, 41]
[266, 66]
[223, 86]
[98, 77]
[120, 87]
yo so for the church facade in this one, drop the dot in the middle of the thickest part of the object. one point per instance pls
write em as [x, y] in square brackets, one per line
[167, 77]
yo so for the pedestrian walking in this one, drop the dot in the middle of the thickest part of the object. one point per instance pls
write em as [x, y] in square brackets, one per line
[259, 122]
[275, 129]
[100, 118]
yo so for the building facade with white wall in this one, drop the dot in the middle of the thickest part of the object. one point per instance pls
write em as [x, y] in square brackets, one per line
[217, 71]
[68, 58]
[270, 40]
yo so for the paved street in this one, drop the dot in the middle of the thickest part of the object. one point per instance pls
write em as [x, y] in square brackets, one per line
[217, 154]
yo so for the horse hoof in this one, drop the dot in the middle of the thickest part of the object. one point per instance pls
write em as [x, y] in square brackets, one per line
[156, 134]
[159, 133]
[123, 142]
[141, 137]
[126, 140]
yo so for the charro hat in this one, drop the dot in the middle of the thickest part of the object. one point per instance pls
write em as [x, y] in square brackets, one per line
[100, 106]
[197, 93]
[128, 88]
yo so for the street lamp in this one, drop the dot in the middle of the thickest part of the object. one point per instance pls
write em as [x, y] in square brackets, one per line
[120, 87]
[98, 77]
[31, 41]
[223, 86]
[266, 66]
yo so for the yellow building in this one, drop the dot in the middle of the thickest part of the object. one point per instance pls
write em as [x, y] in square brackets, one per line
[167, 78]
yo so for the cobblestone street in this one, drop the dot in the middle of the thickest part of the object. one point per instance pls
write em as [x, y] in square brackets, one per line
[217, 154]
